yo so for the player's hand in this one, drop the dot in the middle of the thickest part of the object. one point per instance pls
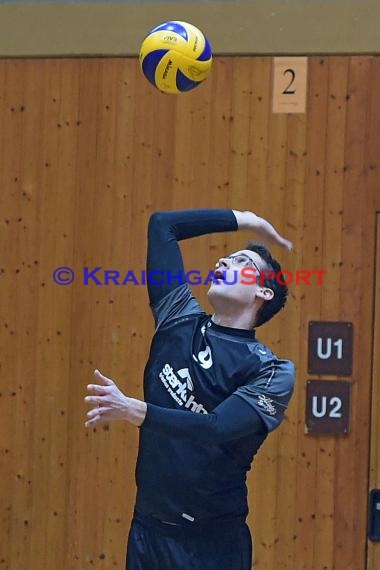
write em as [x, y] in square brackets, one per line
[250, 221]
[267, 231]
[107, 401]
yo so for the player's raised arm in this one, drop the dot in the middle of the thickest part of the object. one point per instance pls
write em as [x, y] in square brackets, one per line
[169, 295]
[165, 230]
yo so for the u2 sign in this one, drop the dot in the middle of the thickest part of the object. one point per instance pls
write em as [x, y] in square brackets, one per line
[328, 406]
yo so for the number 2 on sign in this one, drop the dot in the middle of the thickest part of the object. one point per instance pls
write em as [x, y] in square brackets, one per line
[293, 76]
[289, 84]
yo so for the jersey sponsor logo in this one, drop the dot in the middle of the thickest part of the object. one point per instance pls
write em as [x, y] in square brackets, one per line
[204, 357]
[180, 385]
[267, 404]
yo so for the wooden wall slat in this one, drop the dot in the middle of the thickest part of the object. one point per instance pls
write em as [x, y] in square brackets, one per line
[9, 122]
[25, 323]
[88, 150]
[292, 218]
[369, 255]
[374, 479]
[372, 163]
[352, 279]
[310, 304]
[332, 253]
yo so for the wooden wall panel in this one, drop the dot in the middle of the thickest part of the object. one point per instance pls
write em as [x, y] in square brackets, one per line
[88, 150]
[357, 247]
[373, 547]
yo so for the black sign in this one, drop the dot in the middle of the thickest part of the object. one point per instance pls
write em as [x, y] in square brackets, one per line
[328, 406]
[330, 348]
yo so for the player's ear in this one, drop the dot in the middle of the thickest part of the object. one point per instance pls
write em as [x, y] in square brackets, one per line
[265, 293]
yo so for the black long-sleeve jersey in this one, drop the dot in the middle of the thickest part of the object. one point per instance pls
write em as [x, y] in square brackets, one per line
[213, 392]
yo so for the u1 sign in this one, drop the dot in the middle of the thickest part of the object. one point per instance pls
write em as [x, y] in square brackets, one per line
[330, 348]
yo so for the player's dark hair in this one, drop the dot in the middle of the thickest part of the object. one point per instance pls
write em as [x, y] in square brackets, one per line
[269, 308]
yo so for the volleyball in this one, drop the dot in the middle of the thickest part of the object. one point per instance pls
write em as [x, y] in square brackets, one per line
[175, 57]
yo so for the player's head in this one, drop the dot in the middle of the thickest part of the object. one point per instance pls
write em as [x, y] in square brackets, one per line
[249, 281]
[271, 280]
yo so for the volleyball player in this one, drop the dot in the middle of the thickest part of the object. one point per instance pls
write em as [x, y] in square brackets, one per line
[212, 394]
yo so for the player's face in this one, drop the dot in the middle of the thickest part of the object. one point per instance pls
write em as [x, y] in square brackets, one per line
[238, 278]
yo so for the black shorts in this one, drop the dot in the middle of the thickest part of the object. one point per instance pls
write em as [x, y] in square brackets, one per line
[153, 545]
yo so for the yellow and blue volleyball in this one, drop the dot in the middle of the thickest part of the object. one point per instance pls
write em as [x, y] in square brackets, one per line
[175, 57]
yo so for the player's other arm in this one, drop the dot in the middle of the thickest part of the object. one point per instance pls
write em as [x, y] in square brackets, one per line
[231, 420]
[255, 410]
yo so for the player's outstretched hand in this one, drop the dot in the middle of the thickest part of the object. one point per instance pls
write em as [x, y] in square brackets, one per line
[107, 401]
[250, 221]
